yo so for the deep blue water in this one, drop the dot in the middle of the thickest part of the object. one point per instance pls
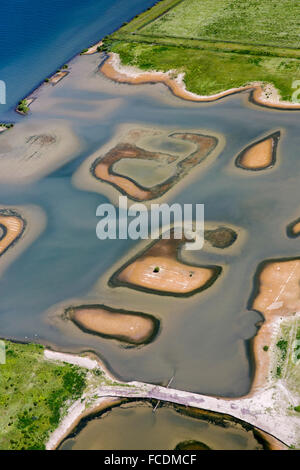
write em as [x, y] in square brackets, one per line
[37, 37]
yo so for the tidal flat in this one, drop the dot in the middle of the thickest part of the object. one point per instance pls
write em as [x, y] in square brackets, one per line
[68, 265]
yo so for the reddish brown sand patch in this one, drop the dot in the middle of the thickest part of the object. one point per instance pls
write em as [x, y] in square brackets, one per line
[260, 155]
[278, 296]
[159, 269]
[102, 167]
[130, 327]
[12, 227]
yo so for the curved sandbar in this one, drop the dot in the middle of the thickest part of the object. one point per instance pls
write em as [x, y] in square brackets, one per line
[276, 296]
[260, 155]
[12, 225]
[158, 269]
[129, 327]
[102, 168]
[113, 69]
[293, 229]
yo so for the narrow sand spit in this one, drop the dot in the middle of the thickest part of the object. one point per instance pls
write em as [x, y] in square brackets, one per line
[158, 269]
[265, 95]
[260, 155]
[129, 327]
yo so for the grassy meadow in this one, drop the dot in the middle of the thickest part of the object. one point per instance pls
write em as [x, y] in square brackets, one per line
[217, 44]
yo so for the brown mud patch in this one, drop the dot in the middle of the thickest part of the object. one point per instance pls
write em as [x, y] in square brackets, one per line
[221, 237]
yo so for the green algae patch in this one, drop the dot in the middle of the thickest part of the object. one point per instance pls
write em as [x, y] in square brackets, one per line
[34, 395]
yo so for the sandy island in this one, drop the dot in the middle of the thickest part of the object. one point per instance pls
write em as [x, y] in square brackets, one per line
[293, 229]
[260, 155]
[262, 94]
[102, 168]
[159, 269]
[129, 327]
[12, 225]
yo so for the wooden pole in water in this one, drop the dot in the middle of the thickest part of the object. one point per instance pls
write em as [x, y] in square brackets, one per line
[170, 381]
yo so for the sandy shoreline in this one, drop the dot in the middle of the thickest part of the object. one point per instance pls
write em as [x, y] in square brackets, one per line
[249, 410]
[265, 407]
[277, 300]
[263, 95]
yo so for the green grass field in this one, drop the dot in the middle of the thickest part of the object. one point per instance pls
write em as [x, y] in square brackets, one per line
[217, 44]
[268, 22]
[33, 395]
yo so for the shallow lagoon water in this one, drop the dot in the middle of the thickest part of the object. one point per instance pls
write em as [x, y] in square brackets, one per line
[135, 426]
[203, 339]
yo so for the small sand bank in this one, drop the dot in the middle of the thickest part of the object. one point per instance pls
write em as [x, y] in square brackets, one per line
[12, 226]
[265, 95]
[92, 50]
[129, 327]
[260, 155]
[293, 229]
[19, 227]
[57, 77]
[23, 106]
[158, 269]
[5, 126]
[102, 168]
